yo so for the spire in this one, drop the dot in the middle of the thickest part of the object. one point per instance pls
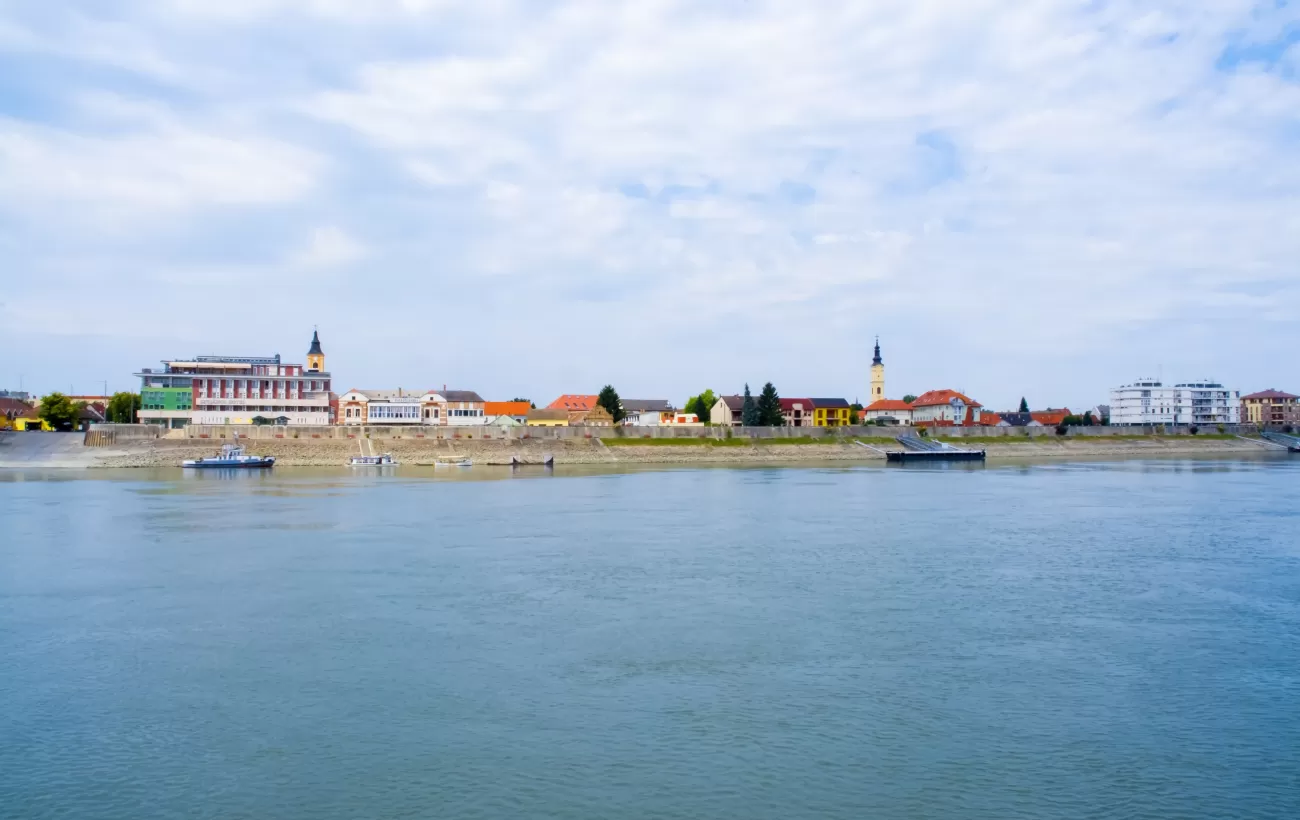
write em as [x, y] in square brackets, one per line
[877, 360]
[315, 344]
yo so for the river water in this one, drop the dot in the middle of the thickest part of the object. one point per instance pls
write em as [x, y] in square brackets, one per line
[1068, 641]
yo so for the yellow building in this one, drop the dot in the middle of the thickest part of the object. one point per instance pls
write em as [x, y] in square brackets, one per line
[548, 417]
[877, 376]
[32, 424]
[831, 412]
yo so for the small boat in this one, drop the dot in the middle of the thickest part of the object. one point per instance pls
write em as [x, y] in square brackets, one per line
[232, 457]
[461, 462]
[382, 460]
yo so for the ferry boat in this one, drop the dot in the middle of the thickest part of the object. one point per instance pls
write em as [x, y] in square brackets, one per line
[381, 460]
[232, 457]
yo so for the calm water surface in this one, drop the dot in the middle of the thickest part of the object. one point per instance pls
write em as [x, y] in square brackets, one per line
[1100, 640]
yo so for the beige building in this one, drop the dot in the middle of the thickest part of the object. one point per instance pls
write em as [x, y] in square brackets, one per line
[548, 417]
[726, 411]
[1270, 407]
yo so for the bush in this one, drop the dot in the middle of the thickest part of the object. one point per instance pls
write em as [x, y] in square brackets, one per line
[1062, 429]
[924, 432]
[1286, 428]
[1193, 429]
[1221, 429]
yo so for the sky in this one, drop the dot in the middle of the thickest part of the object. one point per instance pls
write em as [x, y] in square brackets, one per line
[1045, 198]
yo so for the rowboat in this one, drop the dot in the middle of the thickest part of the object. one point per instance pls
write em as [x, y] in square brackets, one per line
[447, 462]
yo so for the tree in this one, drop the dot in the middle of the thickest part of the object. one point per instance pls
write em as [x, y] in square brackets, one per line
[1024, 405]
[701, 405]
[748, 410]
[854, 418]
[1088, 419]
[769, 407]
[122, 408]
[58, 411]
[609, 400]
[909, 398]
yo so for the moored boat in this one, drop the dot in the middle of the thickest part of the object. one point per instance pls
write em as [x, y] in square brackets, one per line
[446, 462]
[232, 457]
[381, 460]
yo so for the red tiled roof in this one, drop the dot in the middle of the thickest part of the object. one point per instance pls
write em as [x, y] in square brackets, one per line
[988, 419]
[1269, 394]
[506, 408]
[888, 404]
[573, 401]
[787, 405]
[1049, 417]
[938, 397]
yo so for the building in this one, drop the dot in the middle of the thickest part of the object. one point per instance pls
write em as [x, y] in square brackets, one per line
[517, 410]
[596, 416]
[727, 411]
[1271, 407]
[1009, 420]
[464, 408]
[646, 412]
[945, 408]
[797, 412]
[1148, 401]
[1050, 417]
[17, 395]
[548, 417]
[235, 390]
[831, 412]
[399, 406]
[889, 411]
[680, 419]
[18, 414]
[573, 401]
[877, 376]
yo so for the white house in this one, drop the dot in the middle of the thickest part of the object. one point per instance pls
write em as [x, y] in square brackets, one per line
[896, 409]
[390, 407]
[646, 412]
[1148, 401]
[945, 407]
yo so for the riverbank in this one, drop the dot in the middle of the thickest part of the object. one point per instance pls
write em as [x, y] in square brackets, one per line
[416, 452]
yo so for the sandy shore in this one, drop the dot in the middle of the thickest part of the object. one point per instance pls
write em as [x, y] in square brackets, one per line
[327, 453]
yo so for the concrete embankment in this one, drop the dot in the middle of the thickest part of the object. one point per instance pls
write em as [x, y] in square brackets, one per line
[335, 452]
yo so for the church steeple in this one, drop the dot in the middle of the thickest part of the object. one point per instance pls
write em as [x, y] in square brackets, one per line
[877, 375]
[315, 356]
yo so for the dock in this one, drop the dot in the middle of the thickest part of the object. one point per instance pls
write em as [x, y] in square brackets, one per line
[924, 450]
[1291, 443]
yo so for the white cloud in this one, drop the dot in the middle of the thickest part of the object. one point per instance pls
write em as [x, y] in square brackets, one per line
[1064, 174]
[329, 247]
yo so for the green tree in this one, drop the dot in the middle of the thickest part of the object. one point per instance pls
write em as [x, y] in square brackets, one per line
[609, 400]
[854, 418]
[58, 411]
[701, 405]
[769, 407]
[1024, 405]
[909, 398]
[748, 410]
[122, 408]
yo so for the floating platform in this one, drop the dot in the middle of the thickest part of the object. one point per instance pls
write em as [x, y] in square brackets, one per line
[923, 450]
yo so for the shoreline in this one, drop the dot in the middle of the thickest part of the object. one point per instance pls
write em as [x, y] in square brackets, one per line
[335, 453]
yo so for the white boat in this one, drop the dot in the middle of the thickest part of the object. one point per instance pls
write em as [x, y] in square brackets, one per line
[463, 462]
[232, 457]
[381, 460]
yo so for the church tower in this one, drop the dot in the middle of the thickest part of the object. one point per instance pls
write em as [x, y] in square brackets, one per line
[877, 375]
[316, 356]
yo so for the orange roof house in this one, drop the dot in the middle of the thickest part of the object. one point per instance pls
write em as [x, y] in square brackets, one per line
[1050, 417]
[514, 409]
[945, 407]
[573, 402]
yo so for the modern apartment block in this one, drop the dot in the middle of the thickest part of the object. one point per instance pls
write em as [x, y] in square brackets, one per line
[1148, 401]
[236, 390]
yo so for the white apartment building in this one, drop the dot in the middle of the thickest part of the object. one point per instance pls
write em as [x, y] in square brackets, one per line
[1148, 401]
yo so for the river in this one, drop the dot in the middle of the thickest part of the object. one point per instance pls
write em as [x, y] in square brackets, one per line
[1065, 640]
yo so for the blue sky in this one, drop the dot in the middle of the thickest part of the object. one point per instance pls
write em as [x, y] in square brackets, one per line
[529, 198]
